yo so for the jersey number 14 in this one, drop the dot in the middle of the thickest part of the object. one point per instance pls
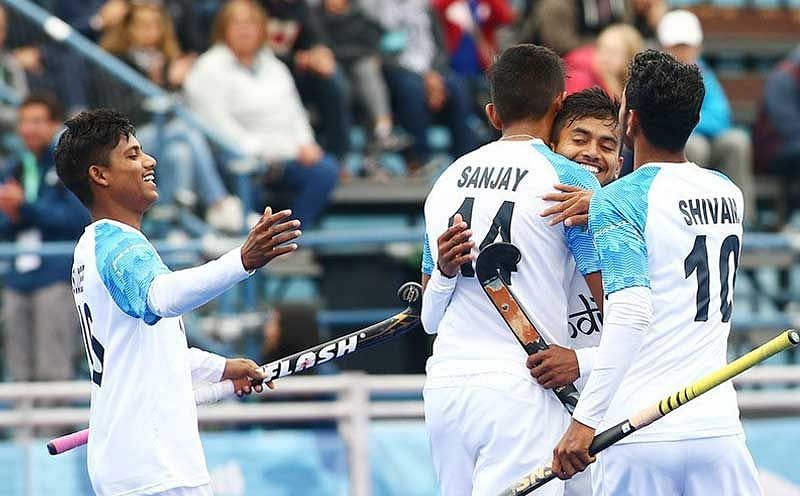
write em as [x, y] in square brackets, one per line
[697, 261]
[501, 225]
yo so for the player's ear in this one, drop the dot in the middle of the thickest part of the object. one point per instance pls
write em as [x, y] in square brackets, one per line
[98, 175]
[494, 119]
[633, 125]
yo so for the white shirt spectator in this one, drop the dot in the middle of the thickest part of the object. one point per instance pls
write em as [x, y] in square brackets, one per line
[257, 107]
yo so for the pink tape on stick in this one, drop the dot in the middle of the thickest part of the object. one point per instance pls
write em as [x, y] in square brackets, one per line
[66, 443]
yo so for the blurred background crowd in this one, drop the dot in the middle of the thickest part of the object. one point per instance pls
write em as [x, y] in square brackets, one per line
[345, 111]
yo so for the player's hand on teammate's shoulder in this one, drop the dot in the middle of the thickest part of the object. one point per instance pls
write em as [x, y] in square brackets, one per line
[269, 239]
[243, 371]
[455, 247]
[572, 208]
[571, 455]
[554, 367]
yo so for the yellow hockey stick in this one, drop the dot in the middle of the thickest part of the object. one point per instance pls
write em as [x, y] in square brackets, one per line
[784, 341]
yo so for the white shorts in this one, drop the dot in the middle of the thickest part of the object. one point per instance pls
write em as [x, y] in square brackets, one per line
[695, 467]
[488, 430]
[204, 490]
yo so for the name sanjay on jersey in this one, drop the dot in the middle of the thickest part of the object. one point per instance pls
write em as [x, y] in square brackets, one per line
[500, 178]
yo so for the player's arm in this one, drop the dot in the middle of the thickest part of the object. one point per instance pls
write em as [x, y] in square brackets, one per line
[174, 293]
[559, 366]
[572, 207]
[209, 367]
[453, 250]
[619, 237]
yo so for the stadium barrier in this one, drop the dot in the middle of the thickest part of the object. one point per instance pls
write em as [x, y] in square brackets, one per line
[355, 400]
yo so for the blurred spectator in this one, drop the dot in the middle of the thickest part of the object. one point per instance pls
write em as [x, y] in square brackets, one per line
[470, 28]
[35, 208]
[241, 87]
[146, 40]
[92, 17]
[421, 84]
[776, 133]
[14, 84]
[291, 327]
[564, 25]
[296, 36]
[604, 63]
[646, 16]
[714, 142]
[355, 41]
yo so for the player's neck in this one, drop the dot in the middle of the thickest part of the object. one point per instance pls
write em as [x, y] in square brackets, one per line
[113, 212]
[645, 153]
[524, 130]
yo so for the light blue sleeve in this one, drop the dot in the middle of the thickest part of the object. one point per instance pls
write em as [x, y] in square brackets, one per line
[127, 264]
[617, 219]
[579, 240]
[427, 259]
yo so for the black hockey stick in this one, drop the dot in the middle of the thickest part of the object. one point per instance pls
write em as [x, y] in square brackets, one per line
[396, 325]
[494, 261]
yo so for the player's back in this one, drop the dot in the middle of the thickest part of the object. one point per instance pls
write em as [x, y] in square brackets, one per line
[691, 223]
[144, 436]
[497, 190]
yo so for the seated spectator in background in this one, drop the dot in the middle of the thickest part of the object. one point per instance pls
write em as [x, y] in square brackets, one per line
[646, 16]
[35, 207]
[291, 327]
[604, 63]
[776, 133]
[470, 28]
[49, 65]
[13, 85]
[297, 38]
[564, 25]
[355, 40]
[146, 40]
[92, 18]
[715, 143]
[240, 87]
[422, 86]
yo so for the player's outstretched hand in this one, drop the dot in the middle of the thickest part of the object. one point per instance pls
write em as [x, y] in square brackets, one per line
[572, 208]
[554, 367]
[455, 247]
[269, 239]
[243, 372]
[572, 453]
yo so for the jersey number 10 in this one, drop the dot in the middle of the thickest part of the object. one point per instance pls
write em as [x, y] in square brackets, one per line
[697, 261]
[501, 225]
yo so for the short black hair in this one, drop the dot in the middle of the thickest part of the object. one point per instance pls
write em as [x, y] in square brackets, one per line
[591, 102]
[524, 80]
[88, 140]
[48, 100]
[667, 96]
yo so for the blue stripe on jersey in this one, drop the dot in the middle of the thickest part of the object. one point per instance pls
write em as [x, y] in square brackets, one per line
[127, 264]
[579, 240]
[617, 218]
[427, 259]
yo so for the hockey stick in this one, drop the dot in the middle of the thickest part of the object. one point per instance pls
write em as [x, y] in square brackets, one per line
[493, 262]
[403, 322]
[784, 341]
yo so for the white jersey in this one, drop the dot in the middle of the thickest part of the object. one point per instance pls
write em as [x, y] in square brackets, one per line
[497, 189]
[144, 437]
[682, 232]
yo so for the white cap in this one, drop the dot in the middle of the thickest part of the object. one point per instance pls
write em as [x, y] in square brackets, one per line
[680, 27]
